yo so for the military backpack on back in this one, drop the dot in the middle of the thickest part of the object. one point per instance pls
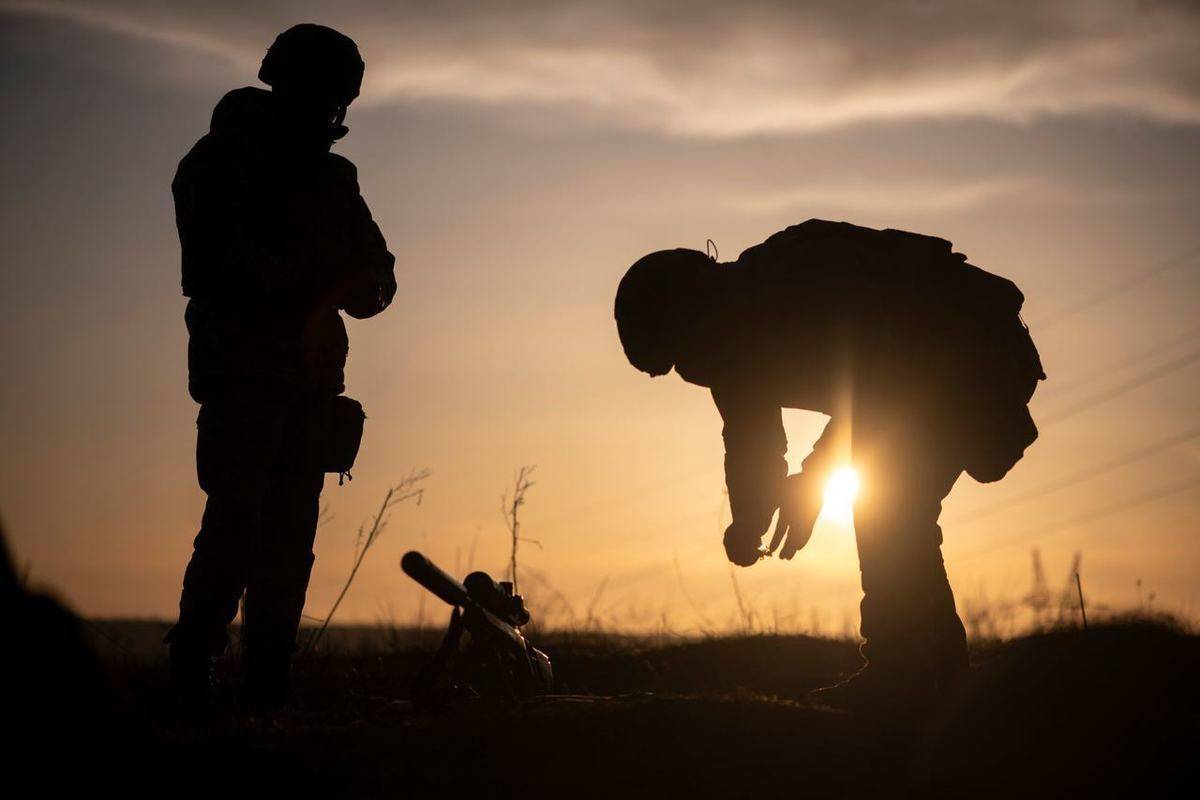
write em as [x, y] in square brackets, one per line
[969, 319]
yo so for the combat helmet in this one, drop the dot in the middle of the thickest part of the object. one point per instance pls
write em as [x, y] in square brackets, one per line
[316, 62]
[651, 306]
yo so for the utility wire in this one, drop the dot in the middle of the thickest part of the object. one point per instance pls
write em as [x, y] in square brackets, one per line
[1117, 289]
[1139, 358]
[633, 494]
[1064, 413]
[1090, 516]
[1055, 417]
[1058, 416]
[1078, 477]
[1114, 392]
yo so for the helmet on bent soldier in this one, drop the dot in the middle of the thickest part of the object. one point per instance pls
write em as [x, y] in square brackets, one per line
[652, 306]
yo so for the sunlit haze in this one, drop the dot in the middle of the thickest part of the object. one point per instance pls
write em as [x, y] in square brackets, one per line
[519, 159]
[840, 491]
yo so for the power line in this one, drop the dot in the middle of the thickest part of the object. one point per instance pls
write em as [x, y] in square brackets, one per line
[1141, 357]
[1120, 389]
[1091, 516]
[1120, 288]
[634, 493]
[1078, 477]
[1062, 414]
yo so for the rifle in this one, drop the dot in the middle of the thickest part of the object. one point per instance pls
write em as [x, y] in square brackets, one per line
[496, 660]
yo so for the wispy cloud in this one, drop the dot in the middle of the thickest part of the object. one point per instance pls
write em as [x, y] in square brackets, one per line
[921, 196]
[713, 69]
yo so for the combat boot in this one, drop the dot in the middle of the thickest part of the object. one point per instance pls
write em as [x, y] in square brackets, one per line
[191, 675]
[873, 690]
[266, 682]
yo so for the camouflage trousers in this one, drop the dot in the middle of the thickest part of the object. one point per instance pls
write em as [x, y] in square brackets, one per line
[911, 628]
[254, 462]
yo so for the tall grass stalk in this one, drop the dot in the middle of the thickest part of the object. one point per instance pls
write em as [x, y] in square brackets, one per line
[511, 509]
[406, 489]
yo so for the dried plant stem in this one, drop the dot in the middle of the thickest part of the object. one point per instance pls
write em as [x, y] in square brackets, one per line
[406, 489]
[512, 516]
[1082, 609]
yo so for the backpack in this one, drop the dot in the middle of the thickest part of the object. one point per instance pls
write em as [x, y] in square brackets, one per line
[971, 322]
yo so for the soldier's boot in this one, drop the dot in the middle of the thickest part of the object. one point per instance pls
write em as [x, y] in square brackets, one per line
[876, 689]
[897, 676]
[191, 674]
[266, 681]
[851, 694]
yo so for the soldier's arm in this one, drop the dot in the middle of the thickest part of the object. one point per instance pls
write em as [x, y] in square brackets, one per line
[369, 282]
[755, 467]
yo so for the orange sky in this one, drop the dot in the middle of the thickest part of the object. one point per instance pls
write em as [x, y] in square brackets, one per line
[518, 162]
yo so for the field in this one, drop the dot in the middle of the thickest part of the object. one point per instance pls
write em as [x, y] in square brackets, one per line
[1059, 713]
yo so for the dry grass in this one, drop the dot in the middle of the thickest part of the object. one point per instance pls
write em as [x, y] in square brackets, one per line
[369, 533]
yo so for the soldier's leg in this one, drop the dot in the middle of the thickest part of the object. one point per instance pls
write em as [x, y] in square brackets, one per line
[236, 445]
[909, 621]
[280, 570]
[278, 580]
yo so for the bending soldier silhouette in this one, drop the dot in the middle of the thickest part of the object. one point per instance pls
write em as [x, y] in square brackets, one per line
[276, 241]
[925, 368]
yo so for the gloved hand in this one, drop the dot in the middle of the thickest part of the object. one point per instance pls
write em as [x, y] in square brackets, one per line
[743, 544]
[803, 497]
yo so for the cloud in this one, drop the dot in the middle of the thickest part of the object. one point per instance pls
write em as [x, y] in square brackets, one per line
[920, 196]
[712, 69]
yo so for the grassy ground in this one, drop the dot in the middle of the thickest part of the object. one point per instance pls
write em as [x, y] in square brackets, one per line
[1068, 713]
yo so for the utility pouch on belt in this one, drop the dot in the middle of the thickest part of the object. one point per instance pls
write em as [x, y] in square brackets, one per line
[343, 435]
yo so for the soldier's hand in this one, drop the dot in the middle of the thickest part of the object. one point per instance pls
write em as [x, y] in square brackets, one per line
[802, 499]
[743, 544]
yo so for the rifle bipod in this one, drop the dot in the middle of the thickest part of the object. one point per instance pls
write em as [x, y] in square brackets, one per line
[483, 652]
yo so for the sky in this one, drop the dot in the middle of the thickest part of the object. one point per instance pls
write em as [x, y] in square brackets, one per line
[519, 157]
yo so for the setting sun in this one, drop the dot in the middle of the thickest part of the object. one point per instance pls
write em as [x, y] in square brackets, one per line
[839, 495]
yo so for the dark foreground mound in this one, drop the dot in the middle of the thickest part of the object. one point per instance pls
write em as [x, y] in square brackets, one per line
[1112, 710]
[1071, 713]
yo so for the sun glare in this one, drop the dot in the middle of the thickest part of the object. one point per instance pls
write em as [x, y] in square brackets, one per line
[839, 496]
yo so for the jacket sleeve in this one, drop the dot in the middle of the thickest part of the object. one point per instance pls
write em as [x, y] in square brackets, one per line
[755, 445]
[369, 281]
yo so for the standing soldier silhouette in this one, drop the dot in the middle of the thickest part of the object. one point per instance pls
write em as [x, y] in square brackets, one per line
[925, 368]
[276, 241]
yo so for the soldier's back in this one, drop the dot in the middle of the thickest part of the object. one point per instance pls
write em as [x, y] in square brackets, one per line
[259, 221]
